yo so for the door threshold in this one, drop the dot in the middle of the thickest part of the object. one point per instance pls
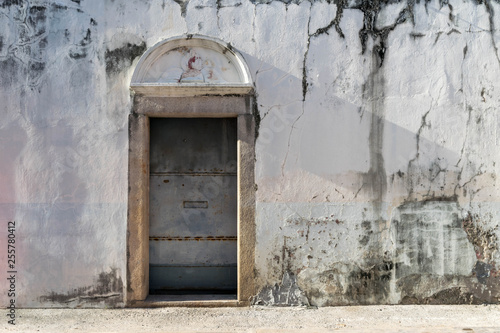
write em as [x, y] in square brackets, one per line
[208, 300]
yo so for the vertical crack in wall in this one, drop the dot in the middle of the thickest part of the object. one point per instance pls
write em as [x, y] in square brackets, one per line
[459, 176]
[491, 14]
[423, 124]
[304, 93]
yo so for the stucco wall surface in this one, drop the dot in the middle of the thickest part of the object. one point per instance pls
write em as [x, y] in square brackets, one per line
[376, 152]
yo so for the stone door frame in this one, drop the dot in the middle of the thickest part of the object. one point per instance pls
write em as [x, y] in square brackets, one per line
[224, 101]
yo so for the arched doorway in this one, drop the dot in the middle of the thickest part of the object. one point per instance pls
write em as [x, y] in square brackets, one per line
[191, 208]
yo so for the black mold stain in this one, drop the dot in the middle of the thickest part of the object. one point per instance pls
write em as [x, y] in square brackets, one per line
[36, 66]
[8, 3]
[87, 39]
[367, 228]
[371, 10]
[370, 286]
[80, 51]
[454, 295]
[35, 71]
[10, 70]
[108, 288]
[287, 2]
[37, 17]
[451, 198]
[77, 55]
[1, 43]
[62, 8]
[416, 35]
[76, 1]
[121, 58]
[183, 4]
[256, 116]
[482, 271]
[491, 13]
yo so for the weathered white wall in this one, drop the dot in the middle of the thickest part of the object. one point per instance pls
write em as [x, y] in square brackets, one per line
[375, 158]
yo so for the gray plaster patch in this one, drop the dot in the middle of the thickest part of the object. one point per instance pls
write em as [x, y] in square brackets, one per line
[430, 239]
[287, 293]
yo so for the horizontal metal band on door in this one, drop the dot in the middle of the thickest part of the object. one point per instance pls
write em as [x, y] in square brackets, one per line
[180, 238]
[194, 277]
[158, 174]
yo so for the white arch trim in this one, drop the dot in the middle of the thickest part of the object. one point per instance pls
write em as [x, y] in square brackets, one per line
[191, 65]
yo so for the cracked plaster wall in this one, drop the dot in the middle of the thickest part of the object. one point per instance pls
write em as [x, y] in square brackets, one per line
[378, 127]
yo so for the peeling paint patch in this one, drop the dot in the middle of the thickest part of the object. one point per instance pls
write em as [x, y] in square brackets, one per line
[287, 293]
[108, 289]
[485, 244]
[485, 241]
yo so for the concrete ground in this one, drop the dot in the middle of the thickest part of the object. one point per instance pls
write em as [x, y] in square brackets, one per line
[401, 319]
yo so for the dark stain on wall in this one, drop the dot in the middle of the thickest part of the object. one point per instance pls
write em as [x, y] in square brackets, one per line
[482, 271]
[428, 260]
[370, 286]
[37, 17]
[108, 289]
[10, 70]
[367, 233]
[80, 50]
[8, 3]
[454, 295]
[183, 4]
[120, 58]
[36, 69]
[256, 115]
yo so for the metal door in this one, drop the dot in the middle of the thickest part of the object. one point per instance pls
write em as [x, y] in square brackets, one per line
[192, 205]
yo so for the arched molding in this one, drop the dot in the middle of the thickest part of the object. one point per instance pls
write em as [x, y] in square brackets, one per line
[191, 65]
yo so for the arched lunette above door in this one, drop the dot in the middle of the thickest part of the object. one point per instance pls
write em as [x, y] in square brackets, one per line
[191, 65]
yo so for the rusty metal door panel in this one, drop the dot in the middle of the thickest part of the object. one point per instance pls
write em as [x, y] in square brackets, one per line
[193, 205]
[193, 145]
[179, 202]
[192, 252]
